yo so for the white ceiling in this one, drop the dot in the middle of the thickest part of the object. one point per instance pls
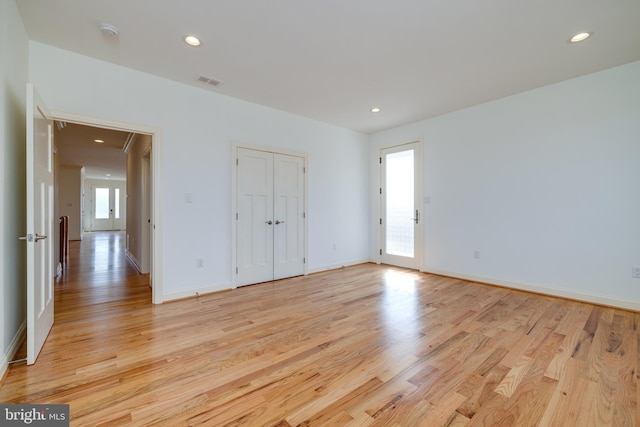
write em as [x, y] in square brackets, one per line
[76, 146]
[333, 60]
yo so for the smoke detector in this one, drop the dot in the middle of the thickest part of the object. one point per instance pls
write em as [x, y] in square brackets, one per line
[108, 29]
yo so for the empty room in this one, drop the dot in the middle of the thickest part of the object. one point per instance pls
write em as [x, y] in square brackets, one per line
[329, 213]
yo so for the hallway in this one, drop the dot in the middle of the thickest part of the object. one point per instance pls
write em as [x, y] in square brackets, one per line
[99, 272]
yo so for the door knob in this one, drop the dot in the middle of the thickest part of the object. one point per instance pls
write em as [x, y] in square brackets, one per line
[269, 222]
[40, 237]
[279, 222]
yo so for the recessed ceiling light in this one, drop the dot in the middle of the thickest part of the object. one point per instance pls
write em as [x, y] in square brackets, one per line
[192, 40]
[579, 37]
[375, 110]
[99, 141]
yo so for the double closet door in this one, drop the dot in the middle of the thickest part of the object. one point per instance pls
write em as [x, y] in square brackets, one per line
[270, 216]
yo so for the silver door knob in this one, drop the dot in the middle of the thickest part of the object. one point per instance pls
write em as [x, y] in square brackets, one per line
[40, 237]
[269, 222]
[279, 222]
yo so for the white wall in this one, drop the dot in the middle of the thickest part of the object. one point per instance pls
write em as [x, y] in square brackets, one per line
[14, 51]
[198, 127]
[70, 198]
[544, 184]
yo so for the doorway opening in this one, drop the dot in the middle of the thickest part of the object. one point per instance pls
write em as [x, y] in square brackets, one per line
[120, 200]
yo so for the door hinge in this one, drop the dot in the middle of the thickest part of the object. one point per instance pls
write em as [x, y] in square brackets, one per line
[304, 260]
[380, 160]
[380, 251]
[304, 169]
[380, 190]
[236, 270]
[380, 221]
[304, 215]
[236, 216]
[237, 162]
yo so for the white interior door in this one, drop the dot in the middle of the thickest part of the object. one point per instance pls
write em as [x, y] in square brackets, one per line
[400, 192]
[106, 209]
[254, 217]
[39, 237]
[269, 216]
[288, 196]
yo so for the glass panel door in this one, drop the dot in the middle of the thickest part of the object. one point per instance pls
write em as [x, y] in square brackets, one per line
[106, 208]
[400, 209]
[102, 203]
[399, 203]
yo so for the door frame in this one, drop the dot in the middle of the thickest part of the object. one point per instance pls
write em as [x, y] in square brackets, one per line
[235, 145]
[419, 190]
[156, 170]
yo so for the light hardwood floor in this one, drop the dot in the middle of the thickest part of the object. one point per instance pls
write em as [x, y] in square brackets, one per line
[365, 345]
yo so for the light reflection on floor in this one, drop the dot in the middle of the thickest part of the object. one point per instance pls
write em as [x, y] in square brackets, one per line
[400, 306]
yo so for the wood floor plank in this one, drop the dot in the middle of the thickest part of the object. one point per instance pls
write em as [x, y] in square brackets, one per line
[368, 345]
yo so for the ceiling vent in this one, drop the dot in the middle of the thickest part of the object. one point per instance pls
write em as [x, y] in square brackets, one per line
[207, 80]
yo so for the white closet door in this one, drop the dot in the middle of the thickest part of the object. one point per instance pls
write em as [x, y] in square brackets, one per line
[288, 216]
[270, 216]
[255, 217]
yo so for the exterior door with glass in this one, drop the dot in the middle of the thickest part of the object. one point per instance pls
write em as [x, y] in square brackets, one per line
[400, 212]
[106, 208]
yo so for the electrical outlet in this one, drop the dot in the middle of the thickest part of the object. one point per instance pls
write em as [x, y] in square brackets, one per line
[635, 272]
[200, 263]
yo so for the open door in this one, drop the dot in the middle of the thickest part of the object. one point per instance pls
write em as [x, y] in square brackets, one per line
[39, 237]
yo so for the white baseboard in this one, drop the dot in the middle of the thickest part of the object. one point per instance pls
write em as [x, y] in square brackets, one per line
[194, 292]
[539, 289]
[13, 348]
[337, 266]
[133, 260]
[227, 286]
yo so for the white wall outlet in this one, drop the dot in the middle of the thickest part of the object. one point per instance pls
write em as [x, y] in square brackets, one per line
[200, 263]
[476, 254]
[635, 272]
